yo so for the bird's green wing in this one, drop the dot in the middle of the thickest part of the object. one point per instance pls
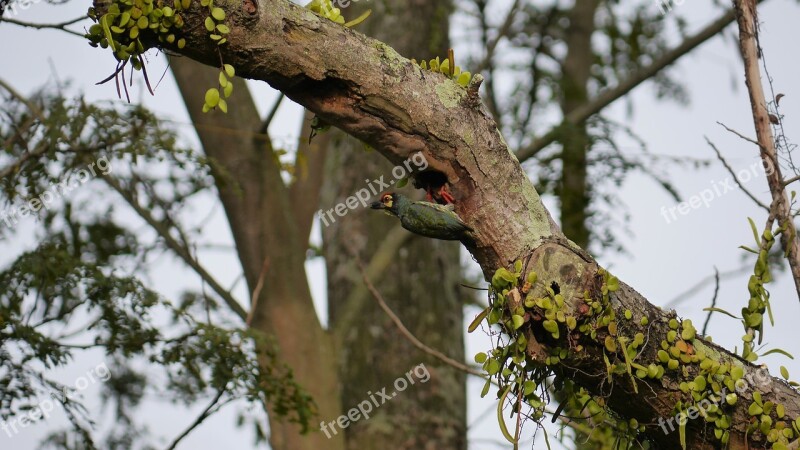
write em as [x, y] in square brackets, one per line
[440, 216]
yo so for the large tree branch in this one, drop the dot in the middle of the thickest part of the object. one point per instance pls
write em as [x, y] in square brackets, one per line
[365, 88]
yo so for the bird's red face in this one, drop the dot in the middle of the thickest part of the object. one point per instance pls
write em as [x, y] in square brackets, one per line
[386, 201]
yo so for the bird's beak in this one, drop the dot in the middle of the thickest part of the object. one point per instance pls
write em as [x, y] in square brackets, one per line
[377, 205]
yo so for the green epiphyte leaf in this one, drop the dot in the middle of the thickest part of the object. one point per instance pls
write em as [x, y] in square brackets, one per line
[218, 14]
[463, 78]
[778, 350]
[444, 67]
[613, 283]
[501, 421]
[212, 97]
[755, 231]
[486, 387]
[358, 19]
[478, 319]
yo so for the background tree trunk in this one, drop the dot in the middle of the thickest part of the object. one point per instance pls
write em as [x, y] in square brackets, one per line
[418, 277]
[257, 204]
[574, 192]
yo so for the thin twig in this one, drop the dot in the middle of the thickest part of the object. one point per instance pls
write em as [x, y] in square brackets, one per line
[411, 338]
[687, 294]
[257, 291]
[750, 140]
[176, 247]
[29, 104]
[271, 115]
[713, 300]
[607, 97]
[735, 178]
[502, 32]
[203, 416]
[54, 26]
[791, 180]
[385, 254]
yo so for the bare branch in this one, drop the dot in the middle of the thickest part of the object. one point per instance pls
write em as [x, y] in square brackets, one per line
[53, 26]
[383, 256]
[257, 291]
[643, 74]
[176, 247]
[210, 409]
[29, 104]
[502, 32]
[687, 294]
[735, 178]
[411, 338]
[750, 140]
[713, 301]
[791, 180]
[781, 208]
[271, 114]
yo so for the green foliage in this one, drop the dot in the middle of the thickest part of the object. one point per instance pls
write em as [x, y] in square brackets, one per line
[127, 22]
[627, 36]
[447, 68]
[79, 287]
[536, 325]
[758, 305]
[522, 306]
[326, 9]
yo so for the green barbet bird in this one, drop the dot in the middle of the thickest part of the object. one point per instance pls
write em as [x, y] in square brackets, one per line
[424, 218]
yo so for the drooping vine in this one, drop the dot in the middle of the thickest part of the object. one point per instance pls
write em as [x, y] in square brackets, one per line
[540, 335]
[125, 23]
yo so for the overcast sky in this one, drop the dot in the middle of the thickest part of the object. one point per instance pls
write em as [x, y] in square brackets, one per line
[666, 257]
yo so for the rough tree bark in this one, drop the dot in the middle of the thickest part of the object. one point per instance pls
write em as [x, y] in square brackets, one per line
[418, 277]
[270, 232]
[368, 90]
